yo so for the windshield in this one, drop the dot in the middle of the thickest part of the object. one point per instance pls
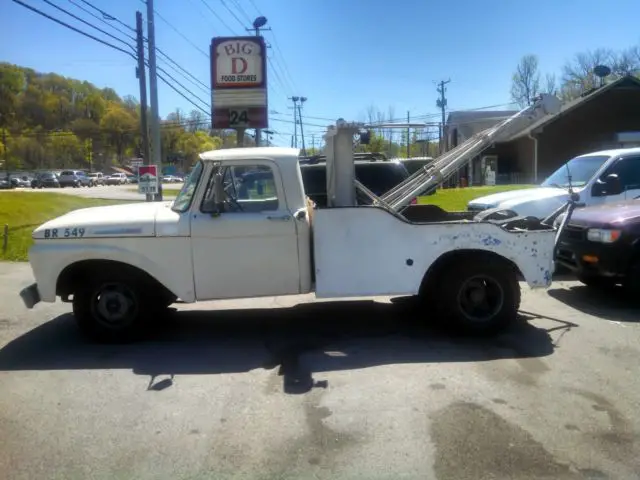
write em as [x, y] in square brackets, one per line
[184, 198]
[582, 169]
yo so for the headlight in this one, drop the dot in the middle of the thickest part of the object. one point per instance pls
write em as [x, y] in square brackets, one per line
[603, 236]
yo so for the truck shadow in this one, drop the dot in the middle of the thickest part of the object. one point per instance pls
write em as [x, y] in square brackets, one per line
[607, 303]
[300, 341]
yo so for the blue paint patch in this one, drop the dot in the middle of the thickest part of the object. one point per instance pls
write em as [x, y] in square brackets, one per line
[547, 277]
[118, 231]
[491, 241]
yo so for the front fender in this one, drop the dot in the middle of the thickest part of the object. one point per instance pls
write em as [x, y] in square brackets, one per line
[175, 271]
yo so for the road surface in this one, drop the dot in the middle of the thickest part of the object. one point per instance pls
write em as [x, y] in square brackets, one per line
[265, 389]
[111, 192]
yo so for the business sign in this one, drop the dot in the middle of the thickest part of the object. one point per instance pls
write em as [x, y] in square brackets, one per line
[148, 179]
[239, 82]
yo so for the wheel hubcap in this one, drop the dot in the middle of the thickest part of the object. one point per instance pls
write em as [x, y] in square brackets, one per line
[115, 305]
[480, 298]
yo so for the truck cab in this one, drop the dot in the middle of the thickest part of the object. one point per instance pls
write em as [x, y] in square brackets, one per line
[607, 176]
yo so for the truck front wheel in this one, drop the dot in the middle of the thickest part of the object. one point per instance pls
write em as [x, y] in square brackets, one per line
[112, 308]
[478, 296]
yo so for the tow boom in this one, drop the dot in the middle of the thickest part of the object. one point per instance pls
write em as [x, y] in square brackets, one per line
[443, 167]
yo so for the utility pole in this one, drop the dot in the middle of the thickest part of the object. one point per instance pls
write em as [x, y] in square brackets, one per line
[295, 119]
[442, 104]
[257, 24]
[302, 100]
[408, 135]
[142, 80]
[153, 94]
[313, 143]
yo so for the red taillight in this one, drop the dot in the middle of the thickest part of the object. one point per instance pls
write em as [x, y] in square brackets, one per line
[414, 201]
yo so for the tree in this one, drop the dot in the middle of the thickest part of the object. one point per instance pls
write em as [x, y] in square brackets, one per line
[120, 128]
[577, 74]
[525, 83]
[66, 148]
[550, 85]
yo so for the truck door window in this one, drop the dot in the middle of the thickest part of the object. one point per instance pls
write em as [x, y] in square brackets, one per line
[628, 171]
[247, 188]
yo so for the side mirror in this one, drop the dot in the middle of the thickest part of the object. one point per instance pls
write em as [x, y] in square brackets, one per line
[613, 185]
[610, 185]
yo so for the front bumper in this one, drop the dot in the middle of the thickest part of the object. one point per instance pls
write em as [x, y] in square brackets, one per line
[588, 258]
[30, 295]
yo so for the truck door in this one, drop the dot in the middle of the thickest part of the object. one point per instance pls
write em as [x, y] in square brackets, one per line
[245, 243]
[630, 177]
[628, 171]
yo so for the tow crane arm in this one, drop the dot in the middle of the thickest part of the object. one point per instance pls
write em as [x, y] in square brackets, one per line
[443, 167]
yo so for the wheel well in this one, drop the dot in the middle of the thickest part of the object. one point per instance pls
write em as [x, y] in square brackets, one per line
[80, 272]
[448, 259]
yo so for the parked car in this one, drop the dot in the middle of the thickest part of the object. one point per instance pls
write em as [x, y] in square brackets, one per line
[171, 179]
[45, 180]
[607, 176]
[97, 177]
[74, 178]
[21, 181]
[6, 184]
[116, 179]
[600, 245]
[377, 176]
[132, 179]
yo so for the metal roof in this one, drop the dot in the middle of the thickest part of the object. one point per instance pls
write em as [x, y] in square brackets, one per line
[569, 106]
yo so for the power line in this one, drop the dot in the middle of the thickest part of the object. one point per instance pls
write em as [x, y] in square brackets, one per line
[218, 16]
[107, 16]
[39, 12]
[179, 33]
[102, 19]
[194, 81]
[87, 23]
[242, 11]
[174, 64]
[286, 69]
[224, 4]
[182, 86]
[254, 7]
[181, 94]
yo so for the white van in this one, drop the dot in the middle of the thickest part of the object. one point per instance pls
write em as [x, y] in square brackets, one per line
[599, 177]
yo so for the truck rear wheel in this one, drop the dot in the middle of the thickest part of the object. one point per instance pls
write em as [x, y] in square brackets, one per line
[112, 308]
[478, 296]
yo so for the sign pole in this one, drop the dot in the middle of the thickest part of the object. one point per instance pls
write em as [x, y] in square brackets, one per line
[240, 137]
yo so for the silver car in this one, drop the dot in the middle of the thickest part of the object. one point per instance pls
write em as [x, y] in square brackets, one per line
[74, 178]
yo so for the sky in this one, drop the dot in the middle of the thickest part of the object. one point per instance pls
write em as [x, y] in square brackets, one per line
[343, 55]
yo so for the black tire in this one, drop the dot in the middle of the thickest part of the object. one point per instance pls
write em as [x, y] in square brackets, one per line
[495, 288]
[122, 296]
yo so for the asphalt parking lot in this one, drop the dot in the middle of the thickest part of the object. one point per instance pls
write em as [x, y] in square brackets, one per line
[290, 388]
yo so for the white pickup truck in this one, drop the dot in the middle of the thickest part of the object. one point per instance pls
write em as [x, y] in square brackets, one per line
[607, 176]
[224, 238]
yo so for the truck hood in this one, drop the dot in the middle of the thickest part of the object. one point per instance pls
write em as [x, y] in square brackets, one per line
[537, 202]
[620, 213]
[127, 220]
